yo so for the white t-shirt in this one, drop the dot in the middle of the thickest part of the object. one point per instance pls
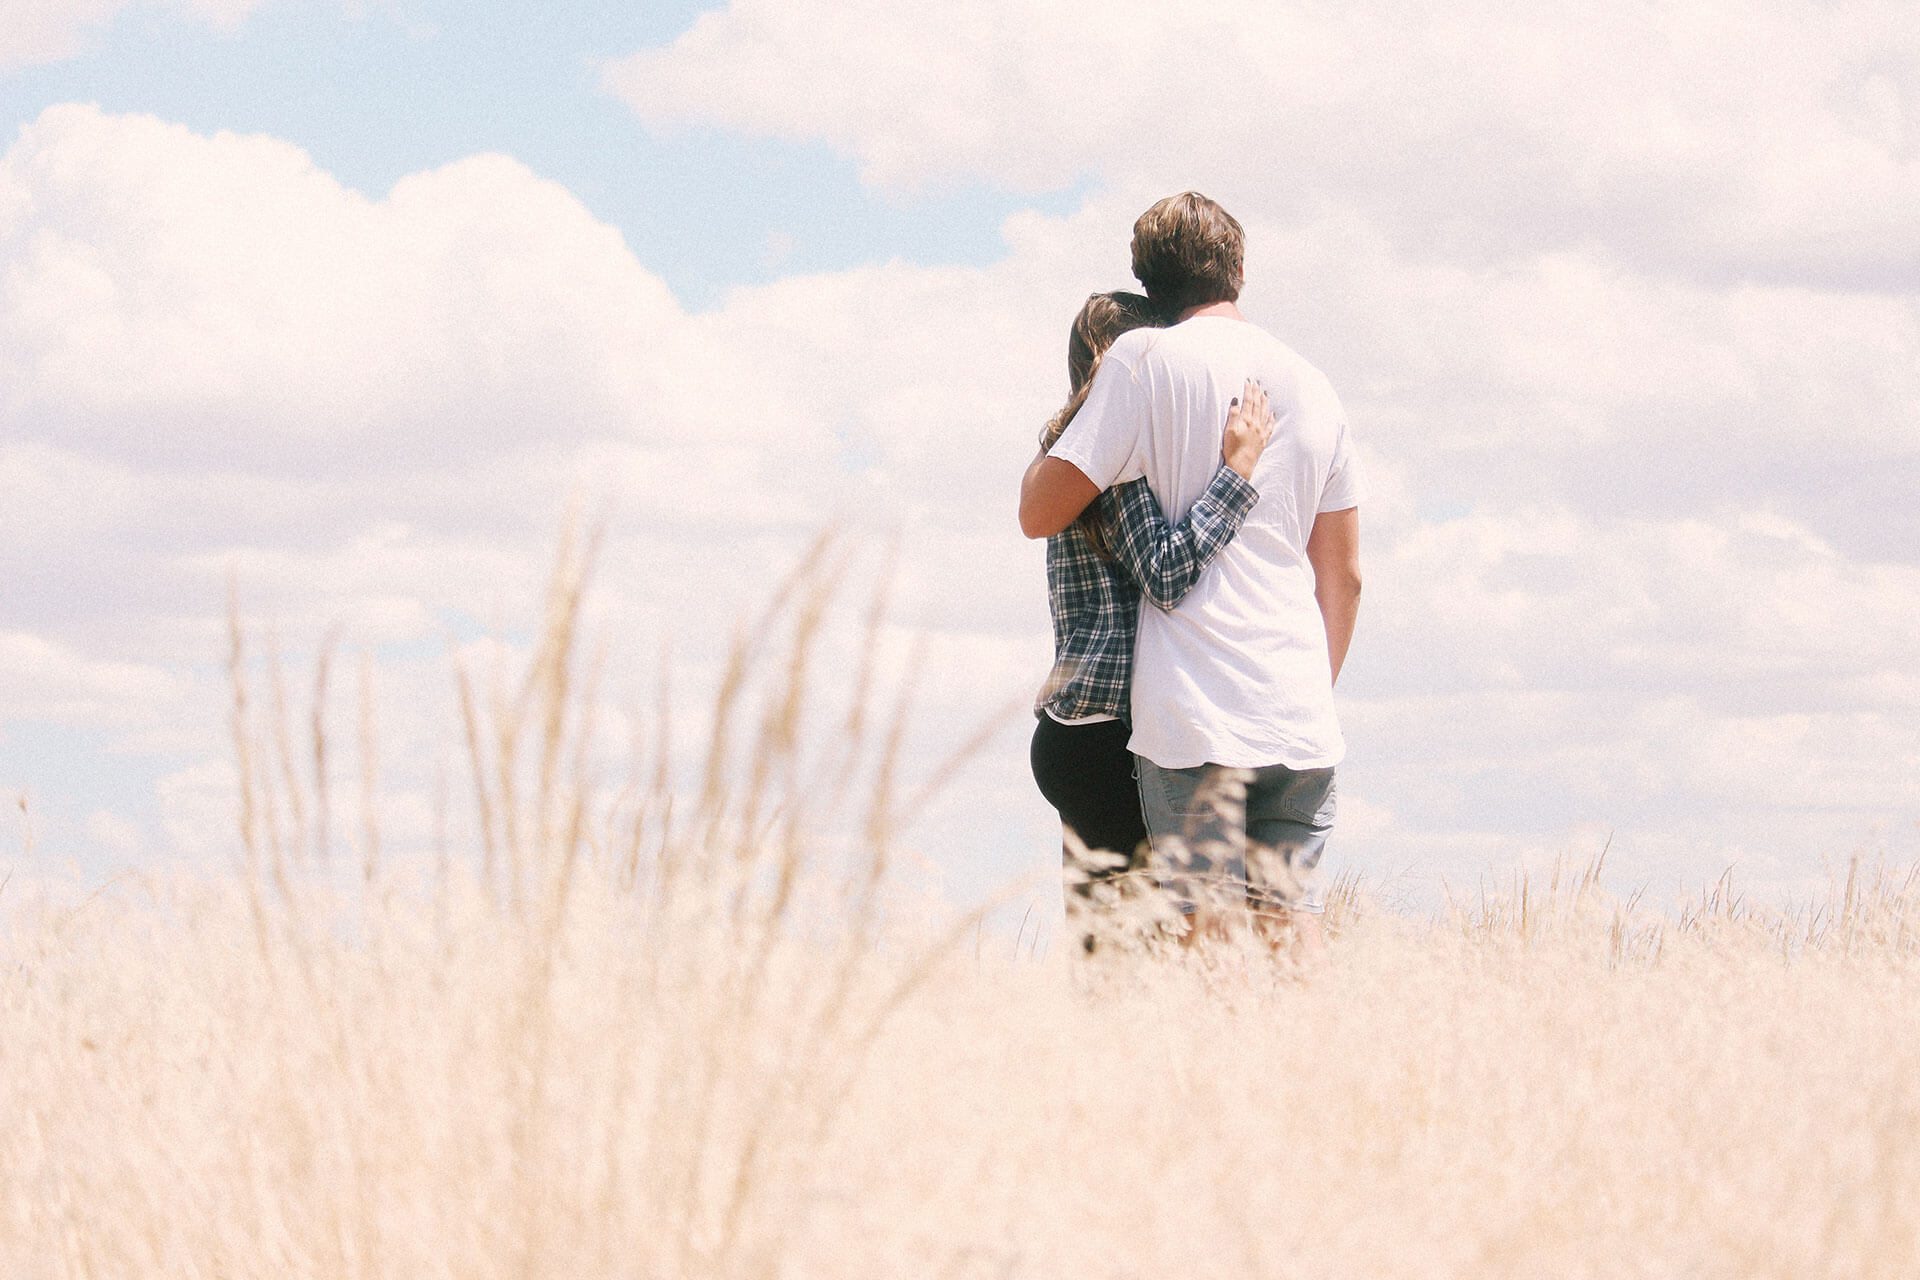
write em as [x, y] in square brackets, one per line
[1236, 675]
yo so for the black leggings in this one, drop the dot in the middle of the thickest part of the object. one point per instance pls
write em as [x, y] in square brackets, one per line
[1086, 772]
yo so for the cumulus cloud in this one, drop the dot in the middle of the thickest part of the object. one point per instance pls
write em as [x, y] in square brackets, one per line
[1605, 590]
[1703, 606]
[1569, 377]
[1613, 257]
[43, 680]
[1620, 300]
[37, 31]
[1711, 690]
[207, 342]
[370, 412]
[221, 300]
[1712, 139]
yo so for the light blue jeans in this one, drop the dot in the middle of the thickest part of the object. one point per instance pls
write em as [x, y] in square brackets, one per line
[1245, 837]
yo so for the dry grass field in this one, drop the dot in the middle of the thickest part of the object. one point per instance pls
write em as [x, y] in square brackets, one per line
[618, 1042]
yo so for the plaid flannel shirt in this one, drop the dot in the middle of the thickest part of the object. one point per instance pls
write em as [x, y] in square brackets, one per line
[1096, 601]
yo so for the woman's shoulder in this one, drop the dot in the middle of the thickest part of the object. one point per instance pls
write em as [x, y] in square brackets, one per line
[1133, 346]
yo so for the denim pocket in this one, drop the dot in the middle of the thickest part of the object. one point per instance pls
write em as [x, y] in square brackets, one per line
[1183, 791]
[1311, 799]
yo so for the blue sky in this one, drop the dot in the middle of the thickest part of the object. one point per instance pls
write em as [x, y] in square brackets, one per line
[409, 85]
[344, 301]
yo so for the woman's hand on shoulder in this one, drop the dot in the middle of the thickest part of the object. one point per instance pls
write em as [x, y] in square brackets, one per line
[1249, 427]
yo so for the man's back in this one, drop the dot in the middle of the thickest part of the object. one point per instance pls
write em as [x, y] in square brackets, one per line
[1238, 673]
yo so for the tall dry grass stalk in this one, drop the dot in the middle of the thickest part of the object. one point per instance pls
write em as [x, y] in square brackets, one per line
[646, 1033]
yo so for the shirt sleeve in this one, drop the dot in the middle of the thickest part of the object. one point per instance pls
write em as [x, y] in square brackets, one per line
[1344, 487]
[1104, 438]
[1164, 559]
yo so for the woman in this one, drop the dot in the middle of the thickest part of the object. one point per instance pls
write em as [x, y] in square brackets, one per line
[1098, 568]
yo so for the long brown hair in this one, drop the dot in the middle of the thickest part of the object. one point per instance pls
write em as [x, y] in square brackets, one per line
[1104, 317]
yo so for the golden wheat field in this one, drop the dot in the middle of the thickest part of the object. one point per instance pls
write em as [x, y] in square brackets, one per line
[618, 1041]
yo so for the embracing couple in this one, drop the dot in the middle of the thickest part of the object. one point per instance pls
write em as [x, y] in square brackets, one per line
[1200, 501]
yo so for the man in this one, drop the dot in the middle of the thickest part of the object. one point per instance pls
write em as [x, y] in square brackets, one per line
[1234, 686]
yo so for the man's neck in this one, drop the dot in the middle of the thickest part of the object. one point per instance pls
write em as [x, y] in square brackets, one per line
[1227, 309]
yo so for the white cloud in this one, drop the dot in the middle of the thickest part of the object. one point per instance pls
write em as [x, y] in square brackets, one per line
[1545, 598]
[1704, 139]
[1530, 375]
[221, 300]
[43, 680]
[370, 413]
[33, 31]
[37, 31]
[123, 836]
[1607, 584]
[1587, 255]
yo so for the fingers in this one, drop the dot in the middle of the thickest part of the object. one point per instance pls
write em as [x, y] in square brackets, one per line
[1255, 397]
[1255, 413]
[1249, 414]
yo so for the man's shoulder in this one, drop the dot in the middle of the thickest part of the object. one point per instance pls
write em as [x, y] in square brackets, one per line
[1205, 346]
[1218, 337]
[1271, 360]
